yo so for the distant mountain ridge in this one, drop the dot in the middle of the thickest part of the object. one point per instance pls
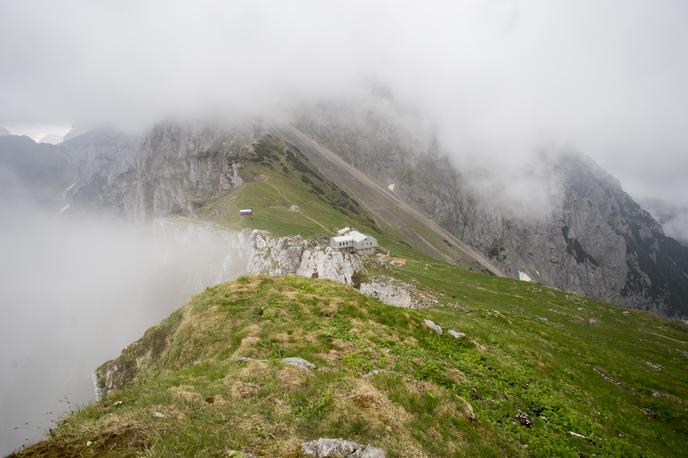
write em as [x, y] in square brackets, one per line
[595, 240]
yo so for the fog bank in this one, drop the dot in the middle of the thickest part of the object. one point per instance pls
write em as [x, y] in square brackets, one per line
[75, 291]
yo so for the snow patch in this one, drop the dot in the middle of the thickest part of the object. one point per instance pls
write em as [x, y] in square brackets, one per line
[64, 209]
[392, 186]
[69, 188]
[524, 276]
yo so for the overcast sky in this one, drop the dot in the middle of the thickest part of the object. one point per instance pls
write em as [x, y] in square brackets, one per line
[497, 78]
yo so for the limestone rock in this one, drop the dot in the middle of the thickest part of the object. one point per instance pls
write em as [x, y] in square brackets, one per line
[294, 255]
[388, 293]
[321, 448]
[299, 362]
[396, 293]
[433, 326]
[456, 334]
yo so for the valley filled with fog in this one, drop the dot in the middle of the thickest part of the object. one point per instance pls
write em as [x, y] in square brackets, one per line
[75, 290]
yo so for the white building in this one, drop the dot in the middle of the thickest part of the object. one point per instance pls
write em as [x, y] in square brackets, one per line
[352, 241]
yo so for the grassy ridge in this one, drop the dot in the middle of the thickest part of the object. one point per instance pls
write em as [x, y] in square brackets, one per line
[529, 351]
[536, 365]
[570, 363]
[277, 177]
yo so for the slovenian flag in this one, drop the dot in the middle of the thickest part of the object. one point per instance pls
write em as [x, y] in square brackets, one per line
[246, 212]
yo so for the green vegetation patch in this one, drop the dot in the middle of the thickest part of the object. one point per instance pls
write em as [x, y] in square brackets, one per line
[539, 373]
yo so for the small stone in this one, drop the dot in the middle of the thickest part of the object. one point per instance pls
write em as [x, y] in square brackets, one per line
[592, 321]
[158, 415]
[118, 403]
[649, 412]
[524, 419]
[243, 359]
[456, 334]
[433, 326]
[299, 362]
[379, 371]
[654, 366]
[373, 372]
[574, 434]
[88, 443]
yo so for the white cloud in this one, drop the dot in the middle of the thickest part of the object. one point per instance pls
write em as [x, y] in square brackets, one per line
[497, 78]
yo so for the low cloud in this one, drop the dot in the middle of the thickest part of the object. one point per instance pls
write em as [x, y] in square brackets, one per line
[495, 78]
[75, 291]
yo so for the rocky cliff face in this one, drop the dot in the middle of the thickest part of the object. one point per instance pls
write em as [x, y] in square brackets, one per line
[168, 170]
[593, 239]
[297, 256]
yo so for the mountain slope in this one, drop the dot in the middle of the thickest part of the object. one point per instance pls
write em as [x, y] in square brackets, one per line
[37, 171]
[207, 170]
[594, 239]
[388, 207]
[536, 366]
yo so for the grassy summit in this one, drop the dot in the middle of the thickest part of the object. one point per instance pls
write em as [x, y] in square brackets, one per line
[540, 372]
[536, 365]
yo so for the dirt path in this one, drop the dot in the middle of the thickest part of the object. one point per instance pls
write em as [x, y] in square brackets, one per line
[267, 180]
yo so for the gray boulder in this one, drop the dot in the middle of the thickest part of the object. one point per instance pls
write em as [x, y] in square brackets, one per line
[299, 362]
[456, 334]
[433, 326]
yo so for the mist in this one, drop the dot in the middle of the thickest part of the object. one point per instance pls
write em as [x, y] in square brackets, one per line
[496, 78]
[495, 82]
[74, 291]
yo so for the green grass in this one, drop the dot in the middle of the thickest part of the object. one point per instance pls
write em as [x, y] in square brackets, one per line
[512, 360]
[568, 363]
[277, 176]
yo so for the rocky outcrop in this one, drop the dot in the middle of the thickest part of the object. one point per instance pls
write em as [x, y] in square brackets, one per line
[321, 448]
[294, 255]
[432, 325]
[135, 358]
[396, 293]
[169, 170]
